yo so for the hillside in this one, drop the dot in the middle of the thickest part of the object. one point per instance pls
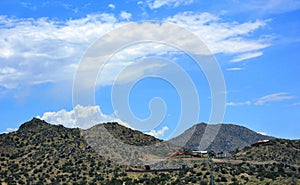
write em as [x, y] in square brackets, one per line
[126, 146]
[41, 153]
[278, 150]
[229, 138]
[129, 136]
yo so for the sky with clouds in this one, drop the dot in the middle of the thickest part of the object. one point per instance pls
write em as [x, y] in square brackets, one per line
[255, 43]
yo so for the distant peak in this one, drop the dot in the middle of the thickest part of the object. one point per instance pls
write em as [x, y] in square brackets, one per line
[36, 120]
[112, 123]
[32, 123]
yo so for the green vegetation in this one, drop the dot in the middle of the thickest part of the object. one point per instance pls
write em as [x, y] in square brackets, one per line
[277, 150]
[129, 136]
[40, 153]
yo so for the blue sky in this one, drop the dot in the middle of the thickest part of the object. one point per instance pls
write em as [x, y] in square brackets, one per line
[255, 43]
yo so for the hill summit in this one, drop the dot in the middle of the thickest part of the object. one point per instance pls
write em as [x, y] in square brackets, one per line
[230, 137]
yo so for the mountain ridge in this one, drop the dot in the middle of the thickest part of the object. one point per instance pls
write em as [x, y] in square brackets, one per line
[229, 137]
[43, 153]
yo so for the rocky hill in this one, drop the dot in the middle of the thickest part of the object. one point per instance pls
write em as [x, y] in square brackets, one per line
[126, 146]
[129, 136]
[41, 153]
[277, 150]
[230, 137]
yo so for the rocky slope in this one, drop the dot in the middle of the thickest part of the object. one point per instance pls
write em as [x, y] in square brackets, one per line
[229, 137]
[277, 150]
[41, 153]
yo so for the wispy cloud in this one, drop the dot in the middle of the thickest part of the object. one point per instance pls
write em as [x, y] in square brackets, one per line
[246, 56]
[154, 4]
[296, 104]
[29, 6]
[273, 97]
[270, 6]
[61, 44]
[224, 37]
[234, 69]
[281, 96]
[238, 103]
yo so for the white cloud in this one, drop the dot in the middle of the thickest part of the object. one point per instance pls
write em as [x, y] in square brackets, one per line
[159, 133]
[273, 97]
[11, 129]
[154, 4]
[43, 50]
[263, 133]
[81, 116]
[221, 36]
[246, 56]
[295, 104]
[8, 77]
[133, 71]
[265, 99]
[6, 53]
[46, 50]
[112, 6]
[29, 6]
[125, 15]
[238, 103]
[234, 69]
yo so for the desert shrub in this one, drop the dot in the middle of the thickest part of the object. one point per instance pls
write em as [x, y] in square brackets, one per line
[223, 179]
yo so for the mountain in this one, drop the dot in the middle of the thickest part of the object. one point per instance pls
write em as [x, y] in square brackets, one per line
[41, 153]
[229, 137]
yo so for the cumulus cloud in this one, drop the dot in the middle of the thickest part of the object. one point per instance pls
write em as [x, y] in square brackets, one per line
[158, 133]
[273, 97]
[112, 6]
[11, 129]
[154, 4]
[81, 116]
[125, 15]
[87, 116]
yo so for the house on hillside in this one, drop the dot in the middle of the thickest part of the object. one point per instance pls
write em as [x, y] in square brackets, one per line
[198, 153]
[260, 142]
